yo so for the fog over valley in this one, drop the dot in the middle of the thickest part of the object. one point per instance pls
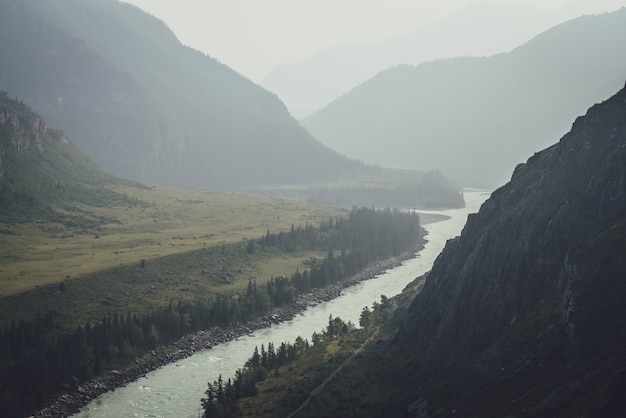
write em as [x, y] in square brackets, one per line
[433, 192]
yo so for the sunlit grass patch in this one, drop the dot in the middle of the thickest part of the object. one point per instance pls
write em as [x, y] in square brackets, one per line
[168, 221]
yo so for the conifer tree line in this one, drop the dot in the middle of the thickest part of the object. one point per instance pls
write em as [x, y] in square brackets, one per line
[37, 363]
[222, 396]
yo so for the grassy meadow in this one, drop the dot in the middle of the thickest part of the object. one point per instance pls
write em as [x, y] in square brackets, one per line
[192, 243]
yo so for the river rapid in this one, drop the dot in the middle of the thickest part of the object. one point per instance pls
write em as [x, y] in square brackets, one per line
[175, 390]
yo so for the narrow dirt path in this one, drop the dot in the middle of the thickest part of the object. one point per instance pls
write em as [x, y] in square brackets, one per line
[321, 386]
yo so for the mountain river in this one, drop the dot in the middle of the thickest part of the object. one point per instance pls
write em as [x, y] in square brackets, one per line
[175, 390]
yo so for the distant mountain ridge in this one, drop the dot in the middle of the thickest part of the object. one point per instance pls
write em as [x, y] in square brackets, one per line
[308, 86]
[481, 29]
[476, 118]
[145, 107]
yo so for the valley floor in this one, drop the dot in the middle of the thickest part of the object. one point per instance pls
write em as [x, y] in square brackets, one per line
[72, 401]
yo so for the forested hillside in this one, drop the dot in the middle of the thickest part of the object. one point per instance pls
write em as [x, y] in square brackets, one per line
[145, 107]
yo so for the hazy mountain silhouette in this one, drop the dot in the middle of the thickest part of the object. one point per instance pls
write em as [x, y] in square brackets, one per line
[144, 106]
[482, 29]
[476, 118]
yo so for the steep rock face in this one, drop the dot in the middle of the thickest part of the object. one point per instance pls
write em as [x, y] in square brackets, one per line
[42, 176]
[20, 130]
[22, 137]
[524, 311]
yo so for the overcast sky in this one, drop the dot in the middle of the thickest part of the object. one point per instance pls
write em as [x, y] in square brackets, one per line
[253, 36]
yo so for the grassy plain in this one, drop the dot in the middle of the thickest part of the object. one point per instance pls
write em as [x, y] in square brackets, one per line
[159, 223]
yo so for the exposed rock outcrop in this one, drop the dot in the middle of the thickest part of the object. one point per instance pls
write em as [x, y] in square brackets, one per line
[25, 132]
[18, 133]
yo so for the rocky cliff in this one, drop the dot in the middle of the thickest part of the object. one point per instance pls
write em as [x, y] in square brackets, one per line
[524, 314]
[42, 175]
[20, 138]
[21, 130]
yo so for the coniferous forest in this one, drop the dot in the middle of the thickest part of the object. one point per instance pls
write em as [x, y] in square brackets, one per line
[39, 360]
[222, 395]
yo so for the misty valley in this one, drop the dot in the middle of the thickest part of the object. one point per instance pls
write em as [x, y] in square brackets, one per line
[441, 232]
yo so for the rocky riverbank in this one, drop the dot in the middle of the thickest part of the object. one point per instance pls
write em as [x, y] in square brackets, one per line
[72, 401]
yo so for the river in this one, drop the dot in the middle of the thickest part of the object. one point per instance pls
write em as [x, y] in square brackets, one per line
[175, 390]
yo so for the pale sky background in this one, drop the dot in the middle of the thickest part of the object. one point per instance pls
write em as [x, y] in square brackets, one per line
[254, 36]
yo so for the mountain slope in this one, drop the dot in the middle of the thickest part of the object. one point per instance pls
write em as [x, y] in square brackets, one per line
[145, 107]
[42, 176]
[475, 118]
[524, 312]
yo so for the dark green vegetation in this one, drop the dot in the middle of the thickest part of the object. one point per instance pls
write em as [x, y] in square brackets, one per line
[221, 397]
[523, 314]
[476, 118]
[283, 380]
[41, 358]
